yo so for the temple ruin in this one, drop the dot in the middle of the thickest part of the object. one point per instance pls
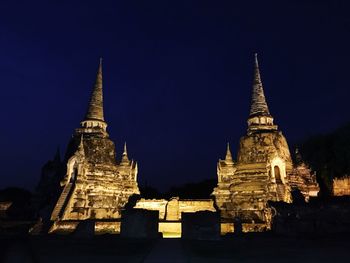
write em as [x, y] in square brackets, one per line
[262, 170]
[302, 178]
[341, 186]
[96, 188]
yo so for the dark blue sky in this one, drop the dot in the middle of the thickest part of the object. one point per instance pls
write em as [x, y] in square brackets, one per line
[177, 77]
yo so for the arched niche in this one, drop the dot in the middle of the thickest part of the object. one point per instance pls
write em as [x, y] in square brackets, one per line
[72, 170]
[278, 170]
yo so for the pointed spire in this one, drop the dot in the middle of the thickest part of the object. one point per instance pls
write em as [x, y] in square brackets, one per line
[125, 152]
[95, 109]
[258, 103]
[125, 159]
[228, 157]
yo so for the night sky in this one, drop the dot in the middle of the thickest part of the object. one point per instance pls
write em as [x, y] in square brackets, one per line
[177, 78]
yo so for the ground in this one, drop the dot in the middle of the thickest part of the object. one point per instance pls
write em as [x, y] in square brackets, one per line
[251, 248]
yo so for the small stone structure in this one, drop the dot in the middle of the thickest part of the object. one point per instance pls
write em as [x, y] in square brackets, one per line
[139, 223]
[341, 186]
[107, 227]
[303, 179]
[202, 225]
[170, 212]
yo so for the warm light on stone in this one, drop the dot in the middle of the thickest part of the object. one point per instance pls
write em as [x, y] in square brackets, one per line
[170, 212]
[341, 186]
[107, 228]
[95, 186]
[303, 179]
[170, 229]
[262, 170]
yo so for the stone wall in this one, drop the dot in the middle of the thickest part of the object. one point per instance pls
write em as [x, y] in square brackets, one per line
[171, 210]
[191, 206]
[153, 204]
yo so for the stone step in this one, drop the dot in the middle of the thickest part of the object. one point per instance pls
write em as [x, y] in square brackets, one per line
[280, 192]
[37, 228]
[61, 201]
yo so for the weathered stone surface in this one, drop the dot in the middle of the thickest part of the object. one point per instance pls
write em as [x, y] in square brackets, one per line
[171, 210]
[95, 185]
[303, 179]
[195, 205]
[95, 188]
[159, 205]
[107, 227]
[95, 109]
[170, 229]
[203, 225]
[258, 103]
[341, 186]
[260, 173]
[225, 171]
[139, 223]
[63, 227]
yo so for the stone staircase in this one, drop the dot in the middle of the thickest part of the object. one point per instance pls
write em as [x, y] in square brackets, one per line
[280, 192]
[37, 229]
[61, 201]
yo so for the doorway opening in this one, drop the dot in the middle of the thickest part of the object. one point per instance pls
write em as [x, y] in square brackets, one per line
[277, 174]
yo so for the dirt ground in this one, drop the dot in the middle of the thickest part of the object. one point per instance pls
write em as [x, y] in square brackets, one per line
[248, 248]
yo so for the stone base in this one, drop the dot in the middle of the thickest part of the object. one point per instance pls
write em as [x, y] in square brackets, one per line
[63, 227]
[203, 225]
[170, 229]
[139, 223]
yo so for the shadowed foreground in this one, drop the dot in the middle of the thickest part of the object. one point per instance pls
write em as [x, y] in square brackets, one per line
[236, 249]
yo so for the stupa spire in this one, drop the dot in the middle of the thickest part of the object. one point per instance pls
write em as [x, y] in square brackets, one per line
[95, 108]
[125, 152]
[258, 105]
[259, 116]
[125, 159]
[228, 157]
